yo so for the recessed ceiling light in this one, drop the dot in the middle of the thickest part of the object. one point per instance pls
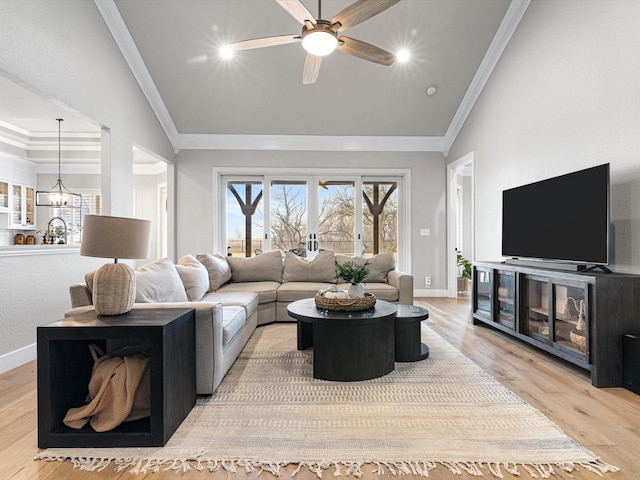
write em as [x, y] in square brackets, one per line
[431, 90]
[226, 51]
[403, 55]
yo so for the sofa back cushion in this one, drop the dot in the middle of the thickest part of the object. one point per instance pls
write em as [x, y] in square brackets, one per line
[322, 268]
[217, 268]
[379, 265]
[261, 268]
[158, 282]
[194, 276]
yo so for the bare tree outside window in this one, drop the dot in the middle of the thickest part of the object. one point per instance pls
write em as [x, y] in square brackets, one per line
[336, 217]
[288, 216]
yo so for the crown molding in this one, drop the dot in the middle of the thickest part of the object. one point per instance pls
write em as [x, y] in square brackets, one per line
[509, 23]
[123, 38]
[326, 143]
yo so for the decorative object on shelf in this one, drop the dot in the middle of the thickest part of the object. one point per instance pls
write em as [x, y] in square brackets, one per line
[114, 284]
[576, 309]
[579, 340]
[573, 309]
[345, 304]
[355, 274]
[58, 195]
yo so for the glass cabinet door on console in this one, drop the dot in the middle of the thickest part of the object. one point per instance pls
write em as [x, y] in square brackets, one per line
[505, 299]
[535, 321]
[482, 292]
[556, 313]
[571, 307]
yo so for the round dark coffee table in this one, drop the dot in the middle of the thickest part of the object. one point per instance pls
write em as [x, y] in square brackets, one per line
[347, 346]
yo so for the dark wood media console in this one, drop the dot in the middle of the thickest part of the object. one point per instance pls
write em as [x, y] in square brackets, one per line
[580, 317]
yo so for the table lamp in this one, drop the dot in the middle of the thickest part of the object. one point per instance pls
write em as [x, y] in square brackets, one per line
[114, 284]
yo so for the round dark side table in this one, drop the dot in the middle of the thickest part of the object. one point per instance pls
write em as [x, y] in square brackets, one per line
[409, 348]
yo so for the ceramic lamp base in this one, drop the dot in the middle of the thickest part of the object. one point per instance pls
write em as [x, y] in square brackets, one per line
[114, 289]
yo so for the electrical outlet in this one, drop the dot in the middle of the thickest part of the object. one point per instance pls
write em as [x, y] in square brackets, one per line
[427, 282]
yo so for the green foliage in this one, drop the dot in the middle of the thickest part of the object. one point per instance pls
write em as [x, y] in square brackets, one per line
[464, 266]
[352, 272]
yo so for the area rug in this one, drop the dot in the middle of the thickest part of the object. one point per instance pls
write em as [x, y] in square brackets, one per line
[269, 413]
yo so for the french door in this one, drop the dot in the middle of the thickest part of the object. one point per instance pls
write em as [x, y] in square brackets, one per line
[305, 214]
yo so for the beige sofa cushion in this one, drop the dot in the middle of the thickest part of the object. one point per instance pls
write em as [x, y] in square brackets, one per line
[379, 265]
[266, 291]
[233, 319]
[261, 268]
[194, 276]
[382, 291]
[292, 291]
[322, 268]
[217, 268]
[158, 282]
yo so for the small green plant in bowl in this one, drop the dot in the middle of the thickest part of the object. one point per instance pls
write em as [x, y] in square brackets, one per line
[352, 272]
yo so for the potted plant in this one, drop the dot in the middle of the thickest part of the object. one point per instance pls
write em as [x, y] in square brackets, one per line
[355, 274]
[464, 272]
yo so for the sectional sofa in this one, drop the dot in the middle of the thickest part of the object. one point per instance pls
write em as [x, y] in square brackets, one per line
[233, 295]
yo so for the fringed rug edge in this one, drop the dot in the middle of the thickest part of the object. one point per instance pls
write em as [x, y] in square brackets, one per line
[340, 468]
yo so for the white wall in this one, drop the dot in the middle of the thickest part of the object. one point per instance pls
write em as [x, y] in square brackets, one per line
[146, 196]
[63, 50]
[564, 96]
[194, 192]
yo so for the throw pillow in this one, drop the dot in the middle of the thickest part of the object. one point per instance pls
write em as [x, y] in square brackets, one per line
[322, 268]
[194, 276]
[159, 281]
[379, 265]
[217, 268]
[261, 268]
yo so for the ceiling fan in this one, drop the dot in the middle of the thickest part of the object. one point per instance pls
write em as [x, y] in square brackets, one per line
[321, 37]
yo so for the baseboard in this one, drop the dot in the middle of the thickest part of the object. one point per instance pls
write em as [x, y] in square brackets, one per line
[14, 359]
[430, 292]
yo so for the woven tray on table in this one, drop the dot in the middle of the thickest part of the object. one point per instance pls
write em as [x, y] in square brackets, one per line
[346, 304]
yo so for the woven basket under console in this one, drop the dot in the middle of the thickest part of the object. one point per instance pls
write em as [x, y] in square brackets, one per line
[346, 304]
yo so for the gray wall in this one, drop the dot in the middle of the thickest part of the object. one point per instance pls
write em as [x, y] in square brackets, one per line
[194, 192]
[563, 97]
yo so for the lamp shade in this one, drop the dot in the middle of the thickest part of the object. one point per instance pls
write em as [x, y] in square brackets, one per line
[115, 237]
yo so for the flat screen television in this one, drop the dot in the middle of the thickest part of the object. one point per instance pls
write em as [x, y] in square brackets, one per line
[564, 219]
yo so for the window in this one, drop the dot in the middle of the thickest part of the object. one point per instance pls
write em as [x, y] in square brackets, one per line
[306, 214]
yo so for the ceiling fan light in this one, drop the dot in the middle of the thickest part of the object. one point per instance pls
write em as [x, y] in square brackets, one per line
[319, 43]
[226, 51]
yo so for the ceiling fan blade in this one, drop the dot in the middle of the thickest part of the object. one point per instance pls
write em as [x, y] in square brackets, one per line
[265, 42]
[366, 51]
[297, 10]
[311, 69]
[360, 11]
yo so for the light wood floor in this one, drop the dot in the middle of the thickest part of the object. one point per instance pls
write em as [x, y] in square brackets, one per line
[606, 421]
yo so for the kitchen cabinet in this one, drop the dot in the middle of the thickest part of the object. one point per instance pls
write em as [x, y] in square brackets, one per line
[4, 196]
[22, 206]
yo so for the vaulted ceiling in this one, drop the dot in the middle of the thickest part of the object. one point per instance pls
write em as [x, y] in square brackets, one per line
[173, 48]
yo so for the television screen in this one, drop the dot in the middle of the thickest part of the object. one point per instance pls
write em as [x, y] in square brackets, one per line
[564, 218]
